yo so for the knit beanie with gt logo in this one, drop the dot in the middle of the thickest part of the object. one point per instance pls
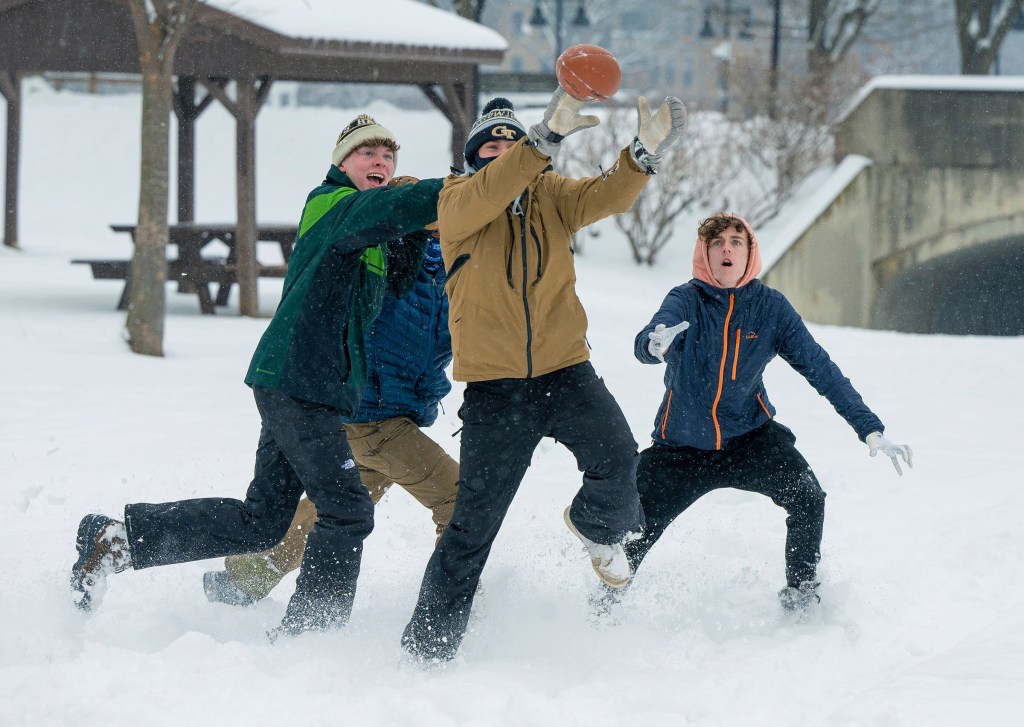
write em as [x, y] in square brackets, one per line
[363, 130]
[498, 122]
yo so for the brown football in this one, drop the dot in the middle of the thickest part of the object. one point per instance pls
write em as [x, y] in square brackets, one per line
[588, 72]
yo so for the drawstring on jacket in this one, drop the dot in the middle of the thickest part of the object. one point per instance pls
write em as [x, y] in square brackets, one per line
[517, 209]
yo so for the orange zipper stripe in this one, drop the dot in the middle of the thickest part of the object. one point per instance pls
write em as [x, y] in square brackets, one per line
[721, 375]
[736, 354]
[664, 419]
[763, 406]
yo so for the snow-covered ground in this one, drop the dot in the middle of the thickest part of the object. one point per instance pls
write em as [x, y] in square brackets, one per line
[923, 587]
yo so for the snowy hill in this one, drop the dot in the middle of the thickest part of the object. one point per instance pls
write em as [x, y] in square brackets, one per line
[922, 621]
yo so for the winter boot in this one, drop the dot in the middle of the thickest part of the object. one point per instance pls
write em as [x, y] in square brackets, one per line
[221, 588]
[102, 545]
[799, 598]
[609, 561]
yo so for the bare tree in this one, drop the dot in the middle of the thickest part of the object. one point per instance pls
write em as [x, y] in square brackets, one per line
[982, 26]
[783, 138]
[695, 172]
[471, 9]
[833, 26]
[159, 27]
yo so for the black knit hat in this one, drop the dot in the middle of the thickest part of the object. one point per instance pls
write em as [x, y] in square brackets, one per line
[497, 122]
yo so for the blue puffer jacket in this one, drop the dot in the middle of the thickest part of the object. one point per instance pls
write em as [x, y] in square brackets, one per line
[713, 381]
[408, 348]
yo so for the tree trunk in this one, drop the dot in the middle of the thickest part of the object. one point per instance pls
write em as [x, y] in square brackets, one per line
[146, 300]
[158, 30]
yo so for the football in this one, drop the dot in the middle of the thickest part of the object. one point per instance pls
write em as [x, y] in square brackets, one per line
[588, 72]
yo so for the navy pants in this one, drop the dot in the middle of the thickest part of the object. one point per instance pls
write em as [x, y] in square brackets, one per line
[302, 448]
[765, 461]
[503, 422]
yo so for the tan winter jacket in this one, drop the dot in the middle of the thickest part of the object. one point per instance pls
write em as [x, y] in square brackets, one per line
[513, 310]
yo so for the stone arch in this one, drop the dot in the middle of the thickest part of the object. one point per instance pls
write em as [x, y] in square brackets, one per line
[976, 291]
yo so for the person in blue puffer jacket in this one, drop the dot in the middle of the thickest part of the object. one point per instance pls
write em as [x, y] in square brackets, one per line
[716, 426]
[407, 350]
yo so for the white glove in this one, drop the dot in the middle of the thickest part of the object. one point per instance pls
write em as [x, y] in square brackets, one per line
[662, 337]
[879, 443]
[561, 118]
[658, 133]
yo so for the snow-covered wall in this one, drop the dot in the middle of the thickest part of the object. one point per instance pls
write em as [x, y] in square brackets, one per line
[925, 168]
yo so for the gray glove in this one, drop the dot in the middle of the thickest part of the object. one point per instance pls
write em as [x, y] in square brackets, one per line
[661, 338]
[561, 118]
[878, 443]
[658, 133]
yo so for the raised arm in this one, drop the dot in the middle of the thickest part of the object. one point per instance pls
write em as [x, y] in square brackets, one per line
[468, 204]
[354, 220]
[798, 348]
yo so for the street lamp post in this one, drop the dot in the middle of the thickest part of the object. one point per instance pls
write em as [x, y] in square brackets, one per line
[723, 51]
[538, 20]
[773, 79]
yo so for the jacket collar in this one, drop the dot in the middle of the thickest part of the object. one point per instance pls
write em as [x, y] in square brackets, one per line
[721, 295]
[338, 178]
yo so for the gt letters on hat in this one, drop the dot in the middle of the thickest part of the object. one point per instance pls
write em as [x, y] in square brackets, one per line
[497, 123]
[363, 130]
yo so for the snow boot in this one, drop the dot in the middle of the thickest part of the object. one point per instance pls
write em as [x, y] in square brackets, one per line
[102, 545]
[609, 561]
[221, 588]
[799, 598]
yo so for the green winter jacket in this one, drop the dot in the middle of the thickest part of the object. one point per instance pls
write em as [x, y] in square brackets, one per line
[338, 273]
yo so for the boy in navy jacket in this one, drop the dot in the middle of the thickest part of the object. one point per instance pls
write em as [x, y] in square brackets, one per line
[716, 427]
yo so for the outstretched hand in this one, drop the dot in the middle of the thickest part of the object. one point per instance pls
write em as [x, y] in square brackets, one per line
[562, 117]
[658, 132]
[878, 443]
[661, 338]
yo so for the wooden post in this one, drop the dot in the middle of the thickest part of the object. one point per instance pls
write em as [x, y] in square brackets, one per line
[458, 106]
[185, 110]
[245, 157]
[10, 86]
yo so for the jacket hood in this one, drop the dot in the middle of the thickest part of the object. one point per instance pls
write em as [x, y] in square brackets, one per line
[702, 265]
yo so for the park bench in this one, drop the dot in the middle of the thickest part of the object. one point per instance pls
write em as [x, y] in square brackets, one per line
[194, 273]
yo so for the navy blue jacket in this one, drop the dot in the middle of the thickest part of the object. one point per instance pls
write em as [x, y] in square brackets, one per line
[408, 348]
[714, 390]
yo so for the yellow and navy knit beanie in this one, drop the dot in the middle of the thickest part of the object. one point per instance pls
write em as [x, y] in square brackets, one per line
[363, 130]
[497, 122]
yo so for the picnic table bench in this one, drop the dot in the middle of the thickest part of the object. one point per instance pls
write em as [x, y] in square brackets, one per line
[194, 272]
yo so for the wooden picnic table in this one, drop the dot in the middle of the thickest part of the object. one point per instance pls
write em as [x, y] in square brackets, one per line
[191, 269]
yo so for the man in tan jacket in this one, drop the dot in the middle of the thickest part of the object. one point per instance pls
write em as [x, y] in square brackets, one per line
[519, 341]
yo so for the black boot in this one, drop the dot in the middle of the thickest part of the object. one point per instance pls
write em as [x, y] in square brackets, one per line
[102, 545]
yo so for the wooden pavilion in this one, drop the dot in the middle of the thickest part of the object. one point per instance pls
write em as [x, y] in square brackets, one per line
[228, 58]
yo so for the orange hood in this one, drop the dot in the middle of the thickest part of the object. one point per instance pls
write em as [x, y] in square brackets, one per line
[702, 266]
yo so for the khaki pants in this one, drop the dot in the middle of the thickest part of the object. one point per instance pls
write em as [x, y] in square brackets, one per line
[387, 452]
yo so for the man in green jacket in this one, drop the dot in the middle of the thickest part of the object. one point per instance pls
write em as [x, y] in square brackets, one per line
[309, 368]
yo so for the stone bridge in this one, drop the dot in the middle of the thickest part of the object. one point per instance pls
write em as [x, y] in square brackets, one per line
[920, 226]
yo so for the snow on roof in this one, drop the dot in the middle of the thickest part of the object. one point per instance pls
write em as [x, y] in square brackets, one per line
[398, 22]
[811, 198]
[933, 83]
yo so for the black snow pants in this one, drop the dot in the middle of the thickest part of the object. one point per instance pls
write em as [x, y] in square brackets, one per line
[302, 448]
[765, 461]
[503, 422]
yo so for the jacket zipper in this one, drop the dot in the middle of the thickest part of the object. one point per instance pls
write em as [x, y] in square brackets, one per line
[763, 406]
[664, 419]
[540, 254]
[526, 302]
[721, 375]
[736, 354]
